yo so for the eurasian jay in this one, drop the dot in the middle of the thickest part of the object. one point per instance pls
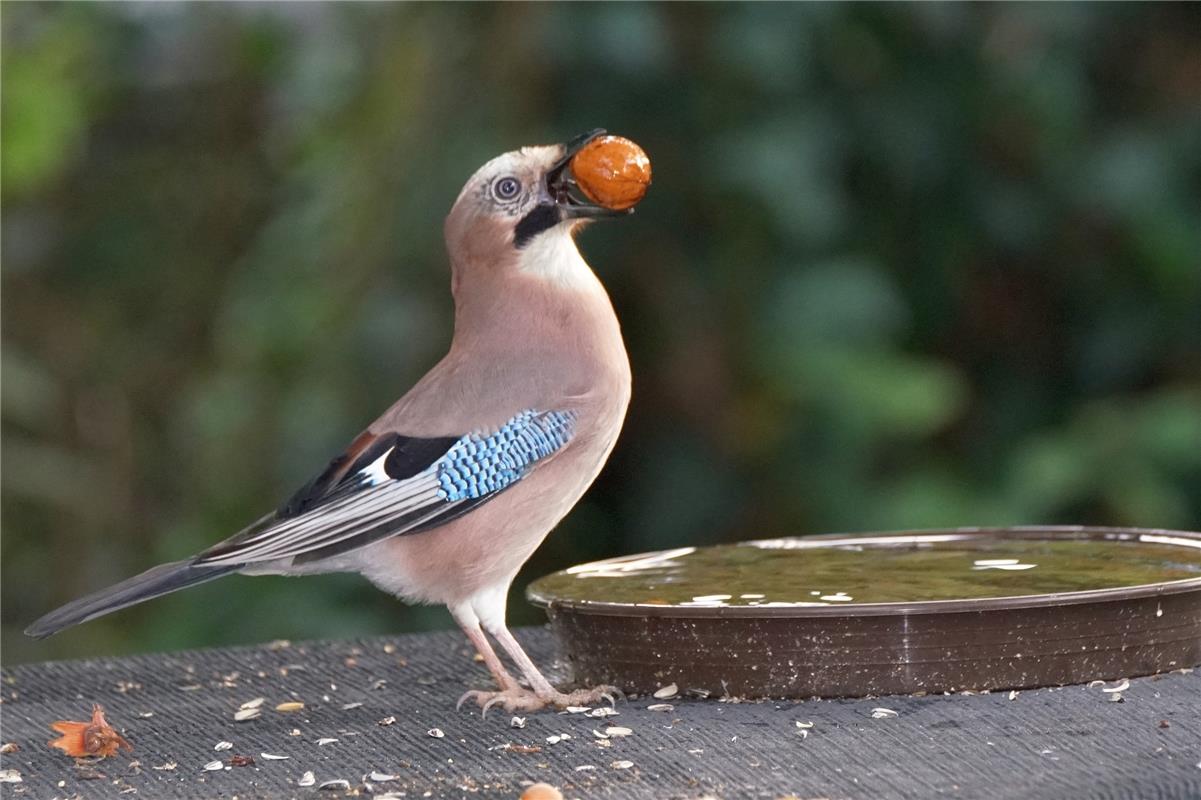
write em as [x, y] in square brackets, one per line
[445, 496]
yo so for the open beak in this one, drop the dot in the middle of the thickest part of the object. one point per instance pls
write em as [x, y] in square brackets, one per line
[560, 187]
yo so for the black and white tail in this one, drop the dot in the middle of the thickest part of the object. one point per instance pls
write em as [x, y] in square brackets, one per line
[154, 582]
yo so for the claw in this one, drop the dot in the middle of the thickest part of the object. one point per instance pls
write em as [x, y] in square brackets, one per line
[463, 699]
[493, 702]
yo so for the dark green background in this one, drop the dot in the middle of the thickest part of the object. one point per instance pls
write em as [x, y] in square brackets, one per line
[902, 265]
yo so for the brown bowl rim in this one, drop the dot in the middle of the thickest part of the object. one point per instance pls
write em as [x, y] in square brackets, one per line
[1118, 593]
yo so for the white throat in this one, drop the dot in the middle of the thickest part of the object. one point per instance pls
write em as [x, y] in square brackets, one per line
[553, 256]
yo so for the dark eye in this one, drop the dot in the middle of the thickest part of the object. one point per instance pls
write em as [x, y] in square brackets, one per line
[506, 188]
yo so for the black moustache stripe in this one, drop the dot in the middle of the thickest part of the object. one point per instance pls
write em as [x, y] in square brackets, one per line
[543, 217]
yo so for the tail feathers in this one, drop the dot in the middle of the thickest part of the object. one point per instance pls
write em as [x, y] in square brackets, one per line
[154, 582]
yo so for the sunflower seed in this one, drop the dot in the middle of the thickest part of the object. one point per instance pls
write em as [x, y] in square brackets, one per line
[435, 732]
[340, 783]
[667, 692]
[575, 709]
[255, 703]
[219, 746]
[273, 757]
[245, 714]
[382, 777]
[660, 707]
[324, 740]
[603, 711]
[622, 764]
[213, 766]
[882, 713]
[294, 705]
[619, 731]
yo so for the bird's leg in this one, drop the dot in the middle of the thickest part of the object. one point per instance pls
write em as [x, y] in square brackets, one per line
[542, 692]
[507, 683]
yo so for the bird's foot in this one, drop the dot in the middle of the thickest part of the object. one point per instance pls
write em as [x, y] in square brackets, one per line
[522, 699]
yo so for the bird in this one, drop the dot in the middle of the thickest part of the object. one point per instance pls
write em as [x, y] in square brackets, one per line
[445, 496]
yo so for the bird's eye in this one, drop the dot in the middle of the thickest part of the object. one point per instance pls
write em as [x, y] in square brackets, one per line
[506, 188]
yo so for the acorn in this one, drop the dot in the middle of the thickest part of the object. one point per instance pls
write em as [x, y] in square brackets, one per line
[612, 172]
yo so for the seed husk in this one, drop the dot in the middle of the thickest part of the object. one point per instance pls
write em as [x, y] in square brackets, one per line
[667, 692]
[294, 705]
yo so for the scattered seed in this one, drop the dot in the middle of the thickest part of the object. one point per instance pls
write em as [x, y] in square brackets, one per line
[660, 707]
[245, 714]
[348, 706]
[386, 721]
[241, 761]
[1163, 723]
[213, 766]
[294, 732]
[146, 714]
[307, 779]
[435, 732]
[340, 783]
[255, 703]
[273, 757]
[557, 737]
[324, 740]
[168, 767]
[599, 734]
[804, 732]
[517, 722]
[622, 764]
[1121, 687]
[10, 776]
[382, 777]
[525, 748]
[619, 731]
[219, 746]
[667, 692]
[294, 705]
[575, 709]
[603, 711]
[882, 713]
[1013, 694]
[806, 725]
[1116, 697]
[379, 684]
[9, 747]
[585, 768]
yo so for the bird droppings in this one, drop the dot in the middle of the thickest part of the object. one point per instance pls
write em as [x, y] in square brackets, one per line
[883, 713]
[667, 692]
[287, 708]
[307, 779]
[219, 746]
[435, 732]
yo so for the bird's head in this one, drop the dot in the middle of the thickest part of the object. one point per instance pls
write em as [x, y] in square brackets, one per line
[519, 211]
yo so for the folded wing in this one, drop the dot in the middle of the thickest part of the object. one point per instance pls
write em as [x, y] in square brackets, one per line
[393, 484]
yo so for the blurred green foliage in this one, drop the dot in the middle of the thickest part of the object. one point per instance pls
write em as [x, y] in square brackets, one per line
[902, 266]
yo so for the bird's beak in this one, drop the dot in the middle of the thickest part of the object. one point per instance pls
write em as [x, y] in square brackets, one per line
[559, 185]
